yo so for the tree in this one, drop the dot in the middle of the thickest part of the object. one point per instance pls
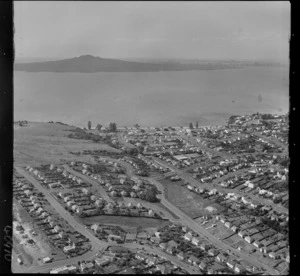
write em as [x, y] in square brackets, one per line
[140, 149]
[112, 127]
[197, 125]
[98, 127]
[191, 126]
[138, 230]
[151, 194]
[89, 125]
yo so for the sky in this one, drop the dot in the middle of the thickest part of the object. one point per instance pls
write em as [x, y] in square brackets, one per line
[152, 30]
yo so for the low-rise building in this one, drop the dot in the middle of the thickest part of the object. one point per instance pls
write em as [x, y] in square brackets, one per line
[195, 241]
[194, 260]
[69, 248]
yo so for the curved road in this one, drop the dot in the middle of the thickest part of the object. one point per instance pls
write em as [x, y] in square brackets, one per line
[91, 181]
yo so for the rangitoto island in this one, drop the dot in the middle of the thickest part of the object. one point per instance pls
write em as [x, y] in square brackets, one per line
[92, 64]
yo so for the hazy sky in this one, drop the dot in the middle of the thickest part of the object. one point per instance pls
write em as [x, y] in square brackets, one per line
[200, 30]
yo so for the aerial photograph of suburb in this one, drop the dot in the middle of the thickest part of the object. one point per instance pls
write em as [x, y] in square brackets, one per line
[151, 137]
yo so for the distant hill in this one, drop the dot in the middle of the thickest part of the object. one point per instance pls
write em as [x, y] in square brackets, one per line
[92, 64]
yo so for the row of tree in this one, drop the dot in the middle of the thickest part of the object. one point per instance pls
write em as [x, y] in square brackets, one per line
[192, 127]
[112, 127]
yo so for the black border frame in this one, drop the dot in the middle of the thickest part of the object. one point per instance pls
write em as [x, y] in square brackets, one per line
[6, 136]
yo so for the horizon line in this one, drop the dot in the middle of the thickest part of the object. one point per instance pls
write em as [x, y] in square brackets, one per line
[44, 59]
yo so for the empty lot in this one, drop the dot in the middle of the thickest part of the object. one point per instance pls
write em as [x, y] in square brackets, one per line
[124, 221]
[190, 203]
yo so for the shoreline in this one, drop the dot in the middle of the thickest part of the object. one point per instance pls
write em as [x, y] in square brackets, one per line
[124, 127]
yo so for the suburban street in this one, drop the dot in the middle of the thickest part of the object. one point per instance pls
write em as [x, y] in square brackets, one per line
[96, 243]
[191, 269]
[187, 221]
[91, 181]
[211, 186]
[184, 219]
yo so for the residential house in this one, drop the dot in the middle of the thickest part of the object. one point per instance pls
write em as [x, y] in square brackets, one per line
[222, 219]
[204, 246]
[112, 237]
[194, 260]
[96, 228]
[273, 255]
[44, 214]
[151, 261]
[155, 240]
[211, 271]
[242, 234]
[188, 236]
[103, 260]
[140, 256]
[212, 252]
[28, 192]
[230, 263]
[157, 234]
[57, 229]
[172, 245]
[39, 210]
[195, 241]
[257, 244]
[69, 248]
[151, 213]
[84, 267]
[234, 228]
[70, 203]
[238, 268]
[163, 269]
[93, 198]
[130, 237]
[228, 224]
[249, 239]
[181, 256]
[74, 208]
[203, 265]
[254, 204]
[99, 202]
[123, 193]
[287, 259]
[221, 258]
[133, 194]
[163, 245]
[113, 193]
[64, 270]
[36, 205]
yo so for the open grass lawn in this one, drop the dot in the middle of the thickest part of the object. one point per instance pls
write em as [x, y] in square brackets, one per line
[47, 143]
[190, 203]
[126, 222]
